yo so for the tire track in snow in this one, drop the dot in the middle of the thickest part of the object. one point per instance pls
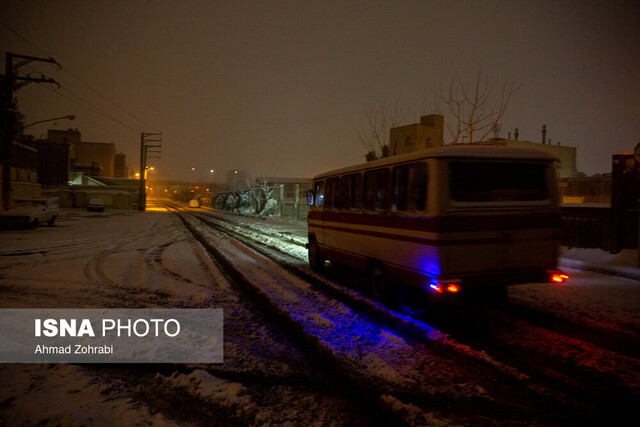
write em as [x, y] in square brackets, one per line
[372, 385]
[559, 376]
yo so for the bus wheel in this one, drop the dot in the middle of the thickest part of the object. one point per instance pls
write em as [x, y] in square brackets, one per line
[379, 284]
[315, 260]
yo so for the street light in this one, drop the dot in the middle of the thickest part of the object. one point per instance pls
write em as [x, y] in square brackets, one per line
[69, 117]
[147, 170]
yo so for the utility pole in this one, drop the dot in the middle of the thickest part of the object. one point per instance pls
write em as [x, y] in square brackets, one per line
[142, 199]
[13, 82]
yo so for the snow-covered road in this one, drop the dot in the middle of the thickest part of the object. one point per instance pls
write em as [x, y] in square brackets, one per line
[473, 368]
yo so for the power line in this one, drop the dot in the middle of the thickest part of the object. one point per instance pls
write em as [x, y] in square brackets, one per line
[24, 39]
[83, 103]
[78, 100]
[84, 83]
[109, 100]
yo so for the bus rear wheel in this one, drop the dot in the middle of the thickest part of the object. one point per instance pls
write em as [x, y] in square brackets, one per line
[315, 260]
[379, 284]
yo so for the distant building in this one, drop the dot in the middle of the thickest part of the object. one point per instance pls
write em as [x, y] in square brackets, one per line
[418, 136]
[54, 163]
[98, 156]
[91, 158]
[429, 133]
[567, 166]
[71, 136]
[120, 168]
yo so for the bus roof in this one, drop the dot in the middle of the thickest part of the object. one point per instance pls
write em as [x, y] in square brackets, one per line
[451, 151]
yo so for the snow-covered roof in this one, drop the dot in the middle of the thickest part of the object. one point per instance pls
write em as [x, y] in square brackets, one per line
[453, 151]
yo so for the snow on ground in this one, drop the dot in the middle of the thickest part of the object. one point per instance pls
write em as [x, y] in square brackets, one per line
[594, 299]
[132, 259]
[603, 290]
[67, 395]
[627, 258]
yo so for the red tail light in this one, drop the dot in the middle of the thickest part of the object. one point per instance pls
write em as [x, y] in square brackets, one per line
[559, 277]
[453, 288]
[440, 288]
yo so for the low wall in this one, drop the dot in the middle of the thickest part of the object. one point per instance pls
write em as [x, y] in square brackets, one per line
[79, 197]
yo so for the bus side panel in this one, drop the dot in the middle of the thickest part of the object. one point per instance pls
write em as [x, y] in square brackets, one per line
[415, 249]
[356, 238]
[315, 225]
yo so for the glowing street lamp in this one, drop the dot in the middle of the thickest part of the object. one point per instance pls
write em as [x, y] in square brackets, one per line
[147, 170]
[69, 117]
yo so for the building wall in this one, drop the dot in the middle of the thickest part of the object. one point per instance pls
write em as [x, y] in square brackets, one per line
[101, 153]
[418, 136]
[567, 167]
[23, 172]
[86, 153]
[429, 133]
[120, 170]
[54, 162]
[70, 136]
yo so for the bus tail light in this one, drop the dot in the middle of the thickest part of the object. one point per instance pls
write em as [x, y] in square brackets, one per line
[558, 276]
[452, 288]
[448, 287]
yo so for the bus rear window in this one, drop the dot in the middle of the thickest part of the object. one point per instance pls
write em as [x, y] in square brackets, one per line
[498, 182]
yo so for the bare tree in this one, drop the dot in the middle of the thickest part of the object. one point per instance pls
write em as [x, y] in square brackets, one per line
[374, 135]
[474, 109]
[261, 191]
[259, 187]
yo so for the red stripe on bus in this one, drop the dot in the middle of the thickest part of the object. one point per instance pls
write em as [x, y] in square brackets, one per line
[438, 242]
[449, 223]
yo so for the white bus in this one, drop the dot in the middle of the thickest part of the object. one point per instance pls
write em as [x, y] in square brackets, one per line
[445, 219]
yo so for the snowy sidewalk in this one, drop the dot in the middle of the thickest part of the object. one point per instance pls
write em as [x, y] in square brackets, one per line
[624, 263]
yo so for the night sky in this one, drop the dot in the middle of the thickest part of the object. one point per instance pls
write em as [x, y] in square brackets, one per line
[280, 87]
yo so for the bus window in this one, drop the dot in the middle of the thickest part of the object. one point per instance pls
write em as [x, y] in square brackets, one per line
[337, 194]
[410, 188]
[400, 188]
[498, 182]
[376, 190]
[331, 194]
[319, 193]
[350, 190]
[418, 179]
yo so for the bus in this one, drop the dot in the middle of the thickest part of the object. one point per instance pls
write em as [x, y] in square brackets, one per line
[445, 219]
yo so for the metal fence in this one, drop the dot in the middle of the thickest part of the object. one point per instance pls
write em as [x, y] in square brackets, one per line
[599, 227]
